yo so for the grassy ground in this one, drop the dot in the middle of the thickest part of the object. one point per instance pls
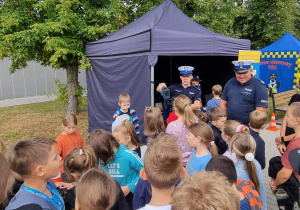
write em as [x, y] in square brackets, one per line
[40, 119]
[44, 119]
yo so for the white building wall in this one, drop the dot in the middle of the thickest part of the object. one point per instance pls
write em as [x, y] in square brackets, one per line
[34, 80]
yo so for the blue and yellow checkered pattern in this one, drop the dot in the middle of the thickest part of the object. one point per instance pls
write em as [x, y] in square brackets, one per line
[287, 54]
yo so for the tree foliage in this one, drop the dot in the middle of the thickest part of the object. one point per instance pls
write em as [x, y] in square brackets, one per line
[54, 32]
[266, 21]
[216, 15]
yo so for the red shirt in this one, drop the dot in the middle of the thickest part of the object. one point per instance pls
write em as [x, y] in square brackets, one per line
[172, 117]
[291, 157]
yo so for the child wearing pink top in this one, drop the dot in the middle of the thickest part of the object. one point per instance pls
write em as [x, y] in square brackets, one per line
[179, 127]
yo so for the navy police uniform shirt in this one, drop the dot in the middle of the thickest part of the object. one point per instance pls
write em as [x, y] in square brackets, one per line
[243, 99]
[193, 93]
[199, 88]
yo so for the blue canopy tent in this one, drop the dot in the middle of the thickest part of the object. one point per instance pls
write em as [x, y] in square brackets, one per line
[123, 62]
[280, 58]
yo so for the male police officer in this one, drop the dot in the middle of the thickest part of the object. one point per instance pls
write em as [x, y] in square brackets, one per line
[243, 94]
[185, 88]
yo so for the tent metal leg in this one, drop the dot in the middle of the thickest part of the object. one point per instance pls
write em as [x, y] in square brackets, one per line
[152, 86]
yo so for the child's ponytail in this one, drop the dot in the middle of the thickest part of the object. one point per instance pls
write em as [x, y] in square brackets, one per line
[126, 128]
[183, 105]
[252, 174]
[244, 147]
[153, 121]
[203, 130]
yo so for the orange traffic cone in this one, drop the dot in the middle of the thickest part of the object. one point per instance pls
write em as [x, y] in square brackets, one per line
[272, 126]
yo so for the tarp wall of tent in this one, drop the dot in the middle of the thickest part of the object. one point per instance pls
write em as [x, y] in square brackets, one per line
[109, 80]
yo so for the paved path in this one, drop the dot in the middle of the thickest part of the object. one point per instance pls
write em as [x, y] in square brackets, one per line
[271, 151]
[26, 100]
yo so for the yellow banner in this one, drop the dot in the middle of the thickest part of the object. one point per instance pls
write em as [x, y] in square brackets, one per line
[250, 55]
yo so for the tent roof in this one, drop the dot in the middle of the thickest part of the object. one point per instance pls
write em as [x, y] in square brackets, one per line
[165, 30]
[286, 43]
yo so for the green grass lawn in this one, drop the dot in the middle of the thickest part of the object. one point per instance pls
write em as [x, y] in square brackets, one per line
[40, 119]
[44, 119]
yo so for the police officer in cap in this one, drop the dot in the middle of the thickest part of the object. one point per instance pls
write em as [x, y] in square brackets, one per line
[244, 93]
[185, 88]
[196, 82]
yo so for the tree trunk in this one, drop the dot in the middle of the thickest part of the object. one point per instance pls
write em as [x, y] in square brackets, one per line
[72, 87]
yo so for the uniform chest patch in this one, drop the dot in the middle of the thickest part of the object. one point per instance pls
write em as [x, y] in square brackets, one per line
[179, 91]
[191, 93]
[247, 91]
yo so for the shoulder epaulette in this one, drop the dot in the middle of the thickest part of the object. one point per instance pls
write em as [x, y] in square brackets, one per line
[262, 82]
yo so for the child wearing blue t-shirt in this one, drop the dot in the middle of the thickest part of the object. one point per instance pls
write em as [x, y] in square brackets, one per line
[200, 137]
[215, 101]
[117, 160]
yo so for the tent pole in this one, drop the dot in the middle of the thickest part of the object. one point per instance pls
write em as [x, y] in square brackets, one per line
[152, 86]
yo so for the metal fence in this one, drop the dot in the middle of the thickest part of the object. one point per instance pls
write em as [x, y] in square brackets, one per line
[34, 80]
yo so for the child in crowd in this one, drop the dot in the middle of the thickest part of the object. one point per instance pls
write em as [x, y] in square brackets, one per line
[153, 123]
[215, 101]
[122, 164]
[95, 190]
[217, 117]
[258, 120]
[284, 171]
[6, 181]
[249, 197]
[143, 192]
[200, 137]
[205, 191]
[247, 168]
[37, 161]
[76, 163]
[124, 108]
[179, 127]
[126, 135]
[230, 128]
[163, 167]
[200, 116]
[68, 140]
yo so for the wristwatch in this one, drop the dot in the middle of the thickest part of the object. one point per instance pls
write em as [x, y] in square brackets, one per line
[282, 139]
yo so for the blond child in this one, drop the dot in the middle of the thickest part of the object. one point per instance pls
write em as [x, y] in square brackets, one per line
[126, 135]
[258, 120]
[179, 127]
[125, 109]
[95, 190]
[163, 167]
[247, 168]
[122, 164]
[37, 161]
[205, 191]
[217, 118]
[230, 128]
[215, 101]
[153, 123]
[68, 140]
[201, 138]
